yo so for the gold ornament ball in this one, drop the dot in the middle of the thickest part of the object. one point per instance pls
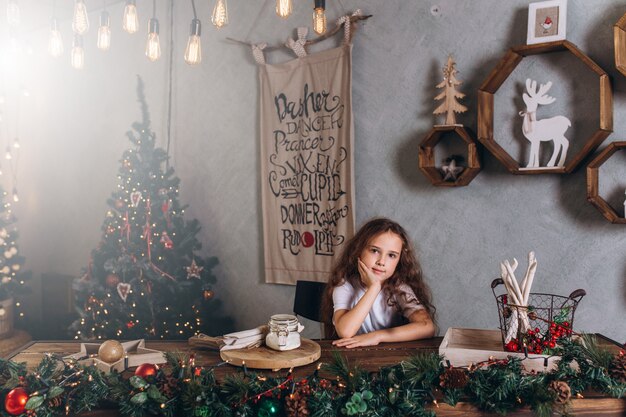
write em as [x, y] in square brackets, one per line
[111, 351]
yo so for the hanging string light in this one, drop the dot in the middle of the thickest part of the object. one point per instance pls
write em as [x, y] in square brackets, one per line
[55, 43]
[284, 8]
[153, 46]
[78, 53]
[80, 21]
[319, 17]
[16, 198]
[104, 31]
[219, 18]
[13, 13]
[193, 52]
[130, 22]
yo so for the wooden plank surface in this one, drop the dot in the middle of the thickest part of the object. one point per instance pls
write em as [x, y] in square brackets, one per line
[370, 358]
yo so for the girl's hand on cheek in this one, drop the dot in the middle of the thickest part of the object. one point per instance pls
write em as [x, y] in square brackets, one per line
[367, 276]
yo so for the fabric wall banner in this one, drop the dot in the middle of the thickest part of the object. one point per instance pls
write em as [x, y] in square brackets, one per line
[306, 164]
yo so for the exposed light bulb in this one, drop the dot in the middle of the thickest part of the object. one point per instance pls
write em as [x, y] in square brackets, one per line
[15, 196]
[78, 53]
[193, 52]
[55, 43]
[8, 155]
[13, 13]
[104, 31]
[153, 46]
[283, 8]
[130, 23]
[219, 18]
[80, 21]
[319, 17]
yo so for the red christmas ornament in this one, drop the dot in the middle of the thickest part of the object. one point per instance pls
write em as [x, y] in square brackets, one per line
[15, 401]
[112, 280]
[146, 369]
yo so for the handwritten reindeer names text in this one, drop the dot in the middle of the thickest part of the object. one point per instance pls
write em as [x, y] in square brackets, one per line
[307, 168]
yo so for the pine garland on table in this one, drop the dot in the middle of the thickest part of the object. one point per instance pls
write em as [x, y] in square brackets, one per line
[410, 388]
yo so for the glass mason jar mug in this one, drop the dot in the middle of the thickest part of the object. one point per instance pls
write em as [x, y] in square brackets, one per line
[284, 332]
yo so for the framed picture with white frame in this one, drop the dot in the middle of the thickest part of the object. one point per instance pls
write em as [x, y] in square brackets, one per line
[546, 21]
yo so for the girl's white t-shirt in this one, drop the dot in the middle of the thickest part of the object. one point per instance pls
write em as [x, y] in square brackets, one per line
[382, 315]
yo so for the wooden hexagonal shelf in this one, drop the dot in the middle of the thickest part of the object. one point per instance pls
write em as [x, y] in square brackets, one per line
[427, 155]
[619, 44]
[593, 183]
[499, 75]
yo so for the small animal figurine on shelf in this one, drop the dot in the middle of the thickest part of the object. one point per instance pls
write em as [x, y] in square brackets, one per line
[449, 94]
[537, 131]
[452, 168]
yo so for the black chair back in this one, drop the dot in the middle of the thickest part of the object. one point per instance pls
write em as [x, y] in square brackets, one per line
[308, 300]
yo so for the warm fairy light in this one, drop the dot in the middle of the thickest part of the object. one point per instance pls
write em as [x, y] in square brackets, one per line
[153, 46]
[80, 21]
[130, 23]
[104, 31]
[219, 18]
[55, 42]
[319, 21]
[78, 53]
[13, 13]
[193, 52]
[284, 8]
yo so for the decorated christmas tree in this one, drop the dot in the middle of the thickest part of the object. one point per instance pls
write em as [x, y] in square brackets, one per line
[12, 276]
[145, 279]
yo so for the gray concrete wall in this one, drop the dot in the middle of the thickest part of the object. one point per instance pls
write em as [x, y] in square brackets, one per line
[72, 131]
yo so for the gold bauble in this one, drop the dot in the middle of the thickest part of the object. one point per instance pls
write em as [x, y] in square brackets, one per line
[110, 351]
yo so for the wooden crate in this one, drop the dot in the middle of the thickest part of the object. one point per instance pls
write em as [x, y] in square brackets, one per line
[465, 346]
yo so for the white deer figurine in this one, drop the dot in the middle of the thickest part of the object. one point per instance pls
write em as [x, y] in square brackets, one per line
[537, 131]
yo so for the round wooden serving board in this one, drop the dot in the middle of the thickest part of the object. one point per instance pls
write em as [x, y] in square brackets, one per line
[266, 358]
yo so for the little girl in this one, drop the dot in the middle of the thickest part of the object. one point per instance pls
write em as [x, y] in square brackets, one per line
[377, 290]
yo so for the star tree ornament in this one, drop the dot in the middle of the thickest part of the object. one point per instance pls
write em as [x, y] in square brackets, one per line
[193, 271]
[451, 168]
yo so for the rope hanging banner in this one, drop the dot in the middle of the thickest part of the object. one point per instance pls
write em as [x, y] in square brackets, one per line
[307, 137]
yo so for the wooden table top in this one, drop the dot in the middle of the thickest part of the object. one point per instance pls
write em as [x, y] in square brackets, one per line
[370, 358]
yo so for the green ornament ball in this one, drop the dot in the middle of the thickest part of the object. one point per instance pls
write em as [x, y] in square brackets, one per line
[269, 407]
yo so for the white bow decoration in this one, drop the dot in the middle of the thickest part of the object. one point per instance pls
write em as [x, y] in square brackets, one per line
[297, 46]
[346, 21]
[257, 52]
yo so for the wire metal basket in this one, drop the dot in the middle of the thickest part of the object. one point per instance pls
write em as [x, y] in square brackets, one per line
[542, 310]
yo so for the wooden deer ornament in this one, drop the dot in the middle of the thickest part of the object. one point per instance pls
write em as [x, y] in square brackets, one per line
[537, 131]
